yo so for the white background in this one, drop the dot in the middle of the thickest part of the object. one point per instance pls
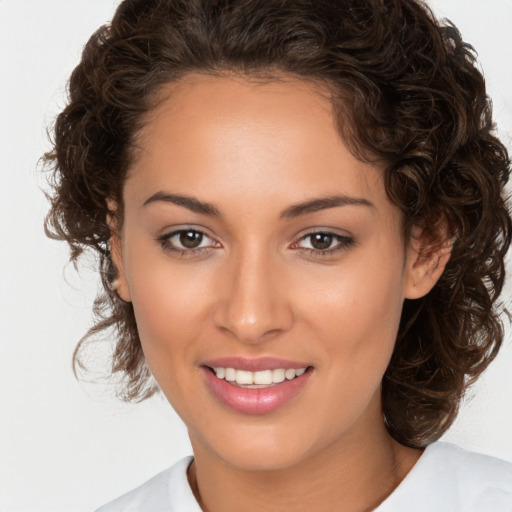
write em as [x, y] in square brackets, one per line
[69, 447]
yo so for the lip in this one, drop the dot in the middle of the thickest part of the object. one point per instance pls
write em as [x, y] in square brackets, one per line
[254, 401]
[254, 365]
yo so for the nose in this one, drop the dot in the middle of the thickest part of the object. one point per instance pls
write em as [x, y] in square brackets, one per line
[253, 305]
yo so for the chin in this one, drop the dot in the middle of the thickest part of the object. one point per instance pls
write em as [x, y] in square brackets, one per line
[260, 448]
[259, 459]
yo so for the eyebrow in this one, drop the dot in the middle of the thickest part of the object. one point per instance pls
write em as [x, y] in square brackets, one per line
[323, 203]
[191, 203]
[296, 210]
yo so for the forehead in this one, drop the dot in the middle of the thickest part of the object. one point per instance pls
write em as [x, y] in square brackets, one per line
[252, 136]
[212, 107]
[229, 88]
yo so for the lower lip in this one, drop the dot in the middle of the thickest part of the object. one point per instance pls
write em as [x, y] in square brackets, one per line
[255, 401]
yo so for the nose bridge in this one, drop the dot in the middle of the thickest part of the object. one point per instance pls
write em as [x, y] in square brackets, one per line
[254, 304]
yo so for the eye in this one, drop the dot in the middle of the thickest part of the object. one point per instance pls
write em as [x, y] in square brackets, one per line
[190, 239]
[323, 243]
[187, 241]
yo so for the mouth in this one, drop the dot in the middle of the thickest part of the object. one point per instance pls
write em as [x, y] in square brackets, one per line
[257, 380]
[255, 386]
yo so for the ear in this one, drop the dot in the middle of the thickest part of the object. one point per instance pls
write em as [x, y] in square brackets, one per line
[120, 284]
[427, 256]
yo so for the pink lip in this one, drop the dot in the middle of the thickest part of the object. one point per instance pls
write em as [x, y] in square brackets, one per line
[254, 401]
[254, 365]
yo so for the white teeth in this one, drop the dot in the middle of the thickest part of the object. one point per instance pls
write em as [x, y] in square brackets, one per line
[260, 378]
[264, 377]
[243, 377]
[220, 372]
[278, 375]
[290, 373]
[230, 374]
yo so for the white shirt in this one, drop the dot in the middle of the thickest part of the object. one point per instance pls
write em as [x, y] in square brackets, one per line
[445, 479]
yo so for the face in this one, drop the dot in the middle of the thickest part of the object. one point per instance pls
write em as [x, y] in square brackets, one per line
[266, 267]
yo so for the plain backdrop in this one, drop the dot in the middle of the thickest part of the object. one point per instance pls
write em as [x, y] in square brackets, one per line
[67, 446]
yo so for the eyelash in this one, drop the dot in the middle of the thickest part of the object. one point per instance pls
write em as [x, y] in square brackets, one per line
[343, 242]
[166, 243]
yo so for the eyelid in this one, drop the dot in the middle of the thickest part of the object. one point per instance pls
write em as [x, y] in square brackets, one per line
[165, 240]
[344, 241]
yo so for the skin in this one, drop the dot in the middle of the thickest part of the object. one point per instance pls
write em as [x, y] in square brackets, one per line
[256, 289]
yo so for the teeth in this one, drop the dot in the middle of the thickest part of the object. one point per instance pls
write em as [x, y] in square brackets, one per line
[260, 378]
[243, 377]
[290, 373]
[264, 377]
[278, 375]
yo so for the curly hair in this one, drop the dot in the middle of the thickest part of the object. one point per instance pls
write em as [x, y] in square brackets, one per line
[405, 91]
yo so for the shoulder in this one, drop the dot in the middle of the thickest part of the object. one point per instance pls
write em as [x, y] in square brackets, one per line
[447, 477]
[167, 491]
[474, 472]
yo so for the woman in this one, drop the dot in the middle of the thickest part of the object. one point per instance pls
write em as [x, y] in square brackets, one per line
[298, 211]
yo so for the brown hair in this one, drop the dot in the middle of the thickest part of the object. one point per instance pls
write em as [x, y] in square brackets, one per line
[405, 91]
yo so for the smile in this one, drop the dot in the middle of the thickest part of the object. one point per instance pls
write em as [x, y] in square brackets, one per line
[255, 386]
[259, 379]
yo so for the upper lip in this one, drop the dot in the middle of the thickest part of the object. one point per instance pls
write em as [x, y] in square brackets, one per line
[255, 364]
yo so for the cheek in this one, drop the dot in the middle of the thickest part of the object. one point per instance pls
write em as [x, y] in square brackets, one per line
[171, 303]
[360, 298]
[171, 311]
[356, 322]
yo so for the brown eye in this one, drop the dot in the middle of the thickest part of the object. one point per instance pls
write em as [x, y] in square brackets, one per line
[190, 239]
[321, 241]
[187, 242]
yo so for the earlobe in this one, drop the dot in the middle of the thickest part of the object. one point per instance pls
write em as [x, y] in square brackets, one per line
[426, 262]
[119, 284]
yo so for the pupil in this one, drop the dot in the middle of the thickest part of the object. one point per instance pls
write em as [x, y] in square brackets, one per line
[321, 241]
[190, 239]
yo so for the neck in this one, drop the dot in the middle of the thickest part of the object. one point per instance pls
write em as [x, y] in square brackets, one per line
[354, 474]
